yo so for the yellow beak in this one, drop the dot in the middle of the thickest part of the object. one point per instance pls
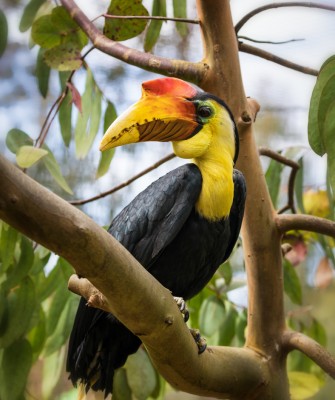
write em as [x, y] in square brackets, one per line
[164, 113]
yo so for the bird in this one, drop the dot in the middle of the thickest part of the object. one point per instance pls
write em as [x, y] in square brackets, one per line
[181, 228]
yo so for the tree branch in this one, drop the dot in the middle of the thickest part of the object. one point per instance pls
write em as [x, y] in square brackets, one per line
[126, 183]
[288, 222]
[258, 10]
[246, 48]
[193, 72]
[312, 349]
[49, 220]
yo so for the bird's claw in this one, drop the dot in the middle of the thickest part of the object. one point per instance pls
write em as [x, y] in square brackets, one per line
[199, 340]
[182, 307]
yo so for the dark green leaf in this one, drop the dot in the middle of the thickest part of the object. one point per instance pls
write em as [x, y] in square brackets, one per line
[3, 32]
[27, 156]
[154, 28]
[8, 240]
[180, 11]
[42, 73]
[16, 139]
[322, 99]
[41, 257]
[292, 284]
[317, 332]
[273, 179]
[227, 330]
[106, 156]
[329, 140]
[21, 303]
[64, 116]
[211, 316]
[23, 266]
[58, 302]
[15, 365]
[37, 335]
[55, 171]
[117, 29]
[299, 186]
[121, 389]
[29, 14]
[141, 375]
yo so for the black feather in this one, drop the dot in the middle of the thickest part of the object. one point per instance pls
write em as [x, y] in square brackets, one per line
[163, 231]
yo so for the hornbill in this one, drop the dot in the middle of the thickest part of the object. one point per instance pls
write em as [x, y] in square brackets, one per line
[181, 228]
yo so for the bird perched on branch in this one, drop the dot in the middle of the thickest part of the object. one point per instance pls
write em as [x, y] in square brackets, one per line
[181, 228]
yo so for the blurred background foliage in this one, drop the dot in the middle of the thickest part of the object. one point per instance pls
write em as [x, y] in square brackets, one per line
[55, 105]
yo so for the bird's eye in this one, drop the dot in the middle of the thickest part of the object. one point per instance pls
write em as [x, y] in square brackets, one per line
[205, 111]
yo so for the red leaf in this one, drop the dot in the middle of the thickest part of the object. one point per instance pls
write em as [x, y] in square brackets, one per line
[76, 96]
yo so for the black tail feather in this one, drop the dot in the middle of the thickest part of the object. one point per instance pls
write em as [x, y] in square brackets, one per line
[99, 344]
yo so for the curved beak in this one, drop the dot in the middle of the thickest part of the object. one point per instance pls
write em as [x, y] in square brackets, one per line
[163, 114]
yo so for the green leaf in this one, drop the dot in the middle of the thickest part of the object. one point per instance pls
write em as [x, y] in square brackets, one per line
[226, 271]
[299, 186]
[317, 332]
[241, 325]
[53, 366]
[23, 266]
[41, 258]
[302, 385]
[50, 283]
[141, 375]
[16, 139]
[8, 240]
[65, 57]
[118, 29]
[228, 328]
[273, 179]
[88, 121]
[58, 336]
[3, 32]
[52, 166]
[329, 140]
[180, 11]
[292, 284]
[20, 307]
[29, 14]
[15, 366]
[321, 102]
[45, 33]
[106, 156]
[37, 335]
[211, 316]
[42, 73]
[154, 29]
[64, 117]
[121, 389]
[27, 156]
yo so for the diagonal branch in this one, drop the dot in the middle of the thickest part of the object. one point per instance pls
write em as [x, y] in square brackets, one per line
[124, 184]
[312, 349]
[190, 71]
[288, 222]
[246, 48]
[111, 270]
[271, 6]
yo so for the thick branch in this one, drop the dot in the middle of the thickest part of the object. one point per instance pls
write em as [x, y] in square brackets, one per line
[246, 48]
[96, 255]
[190, 71]
[312, 349]
[288, 222]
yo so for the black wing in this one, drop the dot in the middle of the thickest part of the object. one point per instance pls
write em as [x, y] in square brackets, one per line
[154, 218]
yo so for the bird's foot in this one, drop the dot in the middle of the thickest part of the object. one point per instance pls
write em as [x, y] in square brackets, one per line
[199, 340]
[182, 307]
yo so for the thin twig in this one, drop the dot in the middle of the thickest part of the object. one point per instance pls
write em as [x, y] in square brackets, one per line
[159, 18]
[288, 222]
[265, 151]
[312, 349]
[269, 41]
[246, 48]
[258, 10]
[124, 184]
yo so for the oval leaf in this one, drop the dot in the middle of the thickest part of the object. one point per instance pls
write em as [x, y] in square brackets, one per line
[42, 73]
[64, 117]
[292, 284]
[29, 14]
[44, 33]
[16, 139]
[212, 315]
[123, 29]
[65, 57]
[303, 385]
[27, 156]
